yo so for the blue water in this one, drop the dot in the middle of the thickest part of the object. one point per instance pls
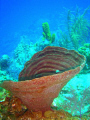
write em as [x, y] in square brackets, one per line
[25, 17]
[22, 19]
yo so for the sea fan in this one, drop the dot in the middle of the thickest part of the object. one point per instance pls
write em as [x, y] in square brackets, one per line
[77, 103]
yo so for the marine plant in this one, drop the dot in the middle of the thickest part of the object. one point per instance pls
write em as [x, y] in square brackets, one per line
[77, 28]
[79, 102]
[85, 50]
[46, 33]
[76, 103]
[3, 94]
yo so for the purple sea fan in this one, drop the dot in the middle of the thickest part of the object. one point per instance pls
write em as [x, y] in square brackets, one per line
[77, 104]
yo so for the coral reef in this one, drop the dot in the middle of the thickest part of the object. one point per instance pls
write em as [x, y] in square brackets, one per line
[3, 94]
[77, 29]
[46, 33]
[85, 50]
[21, 54]
[77, 102]
[13, 109]
[44, 76]
[74, 97]
[4, 62]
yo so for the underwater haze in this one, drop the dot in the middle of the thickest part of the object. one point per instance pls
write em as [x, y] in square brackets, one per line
[29, 26]
[25, 17]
